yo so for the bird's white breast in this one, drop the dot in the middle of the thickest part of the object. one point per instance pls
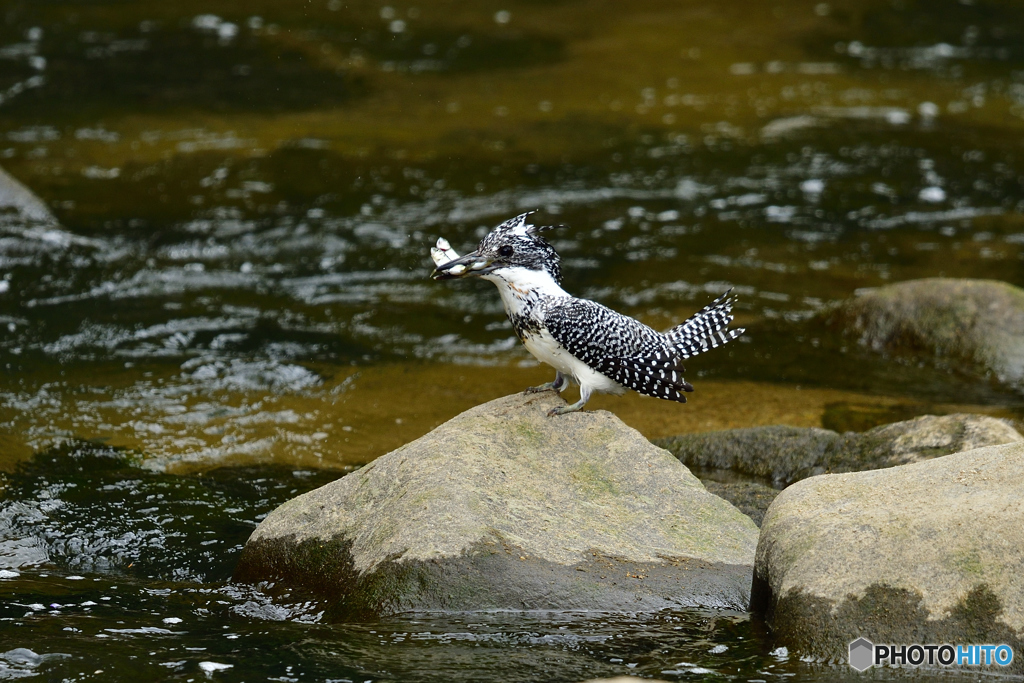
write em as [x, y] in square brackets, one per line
[527, 292]
[545, 349]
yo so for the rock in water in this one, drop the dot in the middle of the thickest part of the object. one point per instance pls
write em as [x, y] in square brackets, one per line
[975, 326]
[786, 454]
[929, 552]
[503, 507]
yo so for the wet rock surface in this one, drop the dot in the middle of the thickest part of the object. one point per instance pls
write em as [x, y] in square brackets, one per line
[928, 552]
[972, 326]
[784, 455]
[505, 508]
[751, 498]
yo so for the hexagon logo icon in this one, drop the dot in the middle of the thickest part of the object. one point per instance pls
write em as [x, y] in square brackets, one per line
[862, 653]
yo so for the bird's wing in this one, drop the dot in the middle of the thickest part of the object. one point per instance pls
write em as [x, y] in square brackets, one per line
[623, 349]
[658, 375]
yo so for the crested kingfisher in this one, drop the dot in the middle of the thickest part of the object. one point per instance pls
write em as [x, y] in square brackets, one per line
[585, 342]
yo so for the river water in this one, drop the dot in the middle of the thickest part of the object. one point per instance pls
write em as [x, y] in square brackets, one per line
[231, 304]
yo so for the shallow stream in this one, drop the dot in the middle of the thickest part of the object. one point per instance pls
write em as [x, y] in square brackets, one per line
[232, 306]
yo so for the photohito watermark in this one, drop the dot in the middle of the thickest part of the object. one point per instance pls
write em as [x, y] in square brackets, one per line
[864, 654]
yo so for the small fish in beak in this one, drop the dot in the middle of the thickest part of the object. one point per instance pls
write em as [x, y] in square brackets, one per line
[450, 265]
[443, 254]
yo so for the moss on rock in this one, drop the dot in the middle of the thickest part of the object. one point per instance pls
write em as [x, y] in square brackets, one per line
[928, 552]
[784, 455]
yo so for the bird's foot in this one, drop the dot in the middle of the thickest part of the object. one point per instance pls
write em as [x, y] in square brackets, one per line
[562, 410]
[558, 384]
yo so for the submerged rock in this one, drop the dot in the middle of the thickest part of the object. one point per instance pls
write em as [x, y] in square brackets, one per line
[929, 552]
[785, 454]
[975, 326]
[776, 453]
[503, 507]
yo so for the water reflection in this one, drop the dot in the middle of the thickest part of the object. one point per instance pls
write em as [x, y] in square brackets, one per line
[232, 301]
[313, 274]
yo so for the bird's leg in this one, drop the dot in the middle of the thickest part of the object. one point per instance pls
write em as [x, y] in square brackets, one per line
[578, 405]
[560, 383]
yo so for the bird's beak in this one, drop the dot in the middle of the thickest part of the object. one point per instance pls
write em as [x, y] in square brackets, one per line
[464, 266]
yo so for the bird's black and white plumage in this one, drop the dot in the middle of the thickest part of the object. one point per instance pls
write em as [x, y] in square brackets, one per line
[587, 343]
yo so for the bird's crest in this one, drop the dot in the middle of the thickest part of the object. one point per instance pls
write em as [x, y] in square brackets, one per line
[521, 227]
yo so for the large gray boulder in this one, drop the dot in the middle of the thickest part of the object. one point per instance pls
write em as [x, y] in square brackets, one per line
[503, 507]
[931, 552]
[975, 326]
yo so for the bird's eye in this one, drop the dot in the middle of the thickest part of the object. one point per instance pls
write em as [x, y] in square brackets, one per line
[505, 250]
